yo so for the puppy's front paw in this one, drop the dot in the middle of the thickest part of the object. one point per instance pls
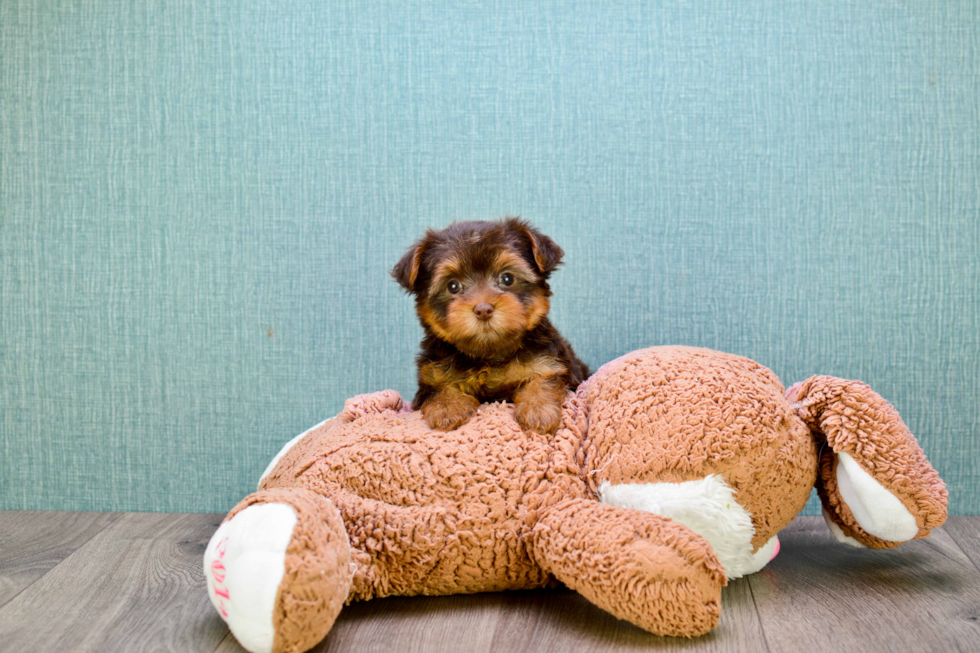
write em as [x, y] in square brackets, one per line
[538, 416]
[449, 409]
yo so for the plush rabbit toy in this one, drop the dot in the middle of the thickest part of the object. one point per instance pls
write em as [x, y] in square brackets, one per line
[672, 472]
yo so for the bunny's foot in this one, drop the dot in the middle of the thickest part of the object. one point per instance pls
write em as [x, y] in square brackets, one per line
[278, 570]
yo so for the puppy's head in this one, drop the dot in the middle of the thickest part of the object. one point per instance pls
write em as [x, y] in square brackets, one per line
[480, 286]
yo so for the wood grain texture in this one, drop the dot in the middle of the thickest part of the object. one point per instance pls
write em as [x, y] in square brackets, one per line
[821, 595]
[31, 543]
[535, 620]
[562, 620]
[136, 586]
[435, 624]
[965, 531]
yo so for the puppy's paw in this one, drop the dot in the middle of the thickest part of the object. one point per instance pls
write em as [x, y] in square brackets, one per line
[449, 409]
[539, 416]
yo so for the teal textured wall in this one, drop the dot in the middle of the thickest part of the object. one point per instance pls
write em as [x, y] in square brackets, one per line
[199, 201]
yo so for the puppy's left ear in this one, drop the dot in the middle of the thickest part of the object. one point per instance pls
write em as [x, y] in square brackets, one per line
[547, 254]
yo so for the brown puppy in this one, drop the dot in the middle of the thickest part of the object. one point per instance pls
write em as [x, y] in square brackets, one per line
[481, 292]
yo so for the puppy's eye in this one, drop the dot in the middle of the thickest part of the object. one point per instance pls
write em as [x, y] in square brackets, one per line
[506, 279]
[453, 287]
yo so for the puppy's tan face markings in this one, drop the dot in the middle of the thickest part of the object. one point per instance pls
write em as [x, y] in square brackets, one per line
[508, 261]
[508, 285]
[539, 308]
[483, 285]
[445, 272]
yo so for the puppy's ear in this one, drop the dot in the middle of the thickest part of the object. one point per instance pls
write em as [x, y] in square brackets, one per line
[406, 270]
[547, 254]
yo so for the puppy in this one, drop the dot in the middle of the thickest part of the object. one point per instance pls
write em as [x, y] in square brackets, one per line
[481, 292]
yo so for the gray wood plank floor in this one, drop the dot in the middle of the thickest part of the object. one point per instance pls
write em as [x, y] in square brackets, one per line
[133, 582]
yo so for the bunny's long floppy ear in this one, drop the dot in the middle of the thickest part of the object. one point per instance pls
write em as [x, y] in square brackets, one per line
[877, 488]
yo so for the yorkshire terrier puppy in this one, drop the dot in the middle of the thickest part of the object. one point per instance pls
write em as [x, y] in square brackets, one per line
[481, 292]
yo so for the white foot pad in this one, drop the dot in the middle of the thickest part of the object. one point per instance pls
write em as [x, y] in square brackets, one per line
[876, 510]
[244, 564]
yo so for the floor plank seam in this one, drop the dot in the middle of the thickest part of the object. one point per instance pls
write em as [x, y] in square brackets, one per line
[221, 641]
[959, 545]
[60, 562]
[758, 617]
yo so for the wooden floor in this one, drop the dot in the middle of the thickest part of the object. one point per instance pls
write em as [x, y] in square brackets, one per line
[132, 582]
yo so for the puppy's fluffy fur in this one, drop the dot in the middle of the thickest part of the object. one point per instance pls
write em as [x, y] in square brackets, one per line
[481, 292]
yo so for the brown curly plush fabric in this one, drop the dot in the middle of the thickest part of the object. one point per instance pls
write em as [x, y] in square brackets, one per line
[851, 418]
[639, 566]
[317, 569]
[431, 512]
[490, 507]
[676, 414]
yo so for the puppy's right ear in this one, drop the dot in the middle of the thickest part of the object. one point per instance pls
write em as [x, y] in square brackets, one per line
[406, 271]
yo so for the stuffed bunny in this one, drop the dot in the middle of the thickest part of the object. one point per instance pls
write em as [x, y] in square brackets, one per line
[673, 470]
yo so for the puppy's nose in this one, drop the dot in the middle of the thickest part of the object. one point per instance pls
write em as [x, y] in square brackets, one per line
[483, 311]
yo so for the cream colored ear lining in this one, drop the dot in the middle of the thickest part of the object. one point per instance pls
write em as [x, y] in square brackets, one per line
[840, 535]
[877, 511]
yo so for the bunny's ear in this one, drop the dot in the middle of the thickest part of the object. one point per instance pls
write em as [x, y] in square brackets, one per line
[877, 488]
